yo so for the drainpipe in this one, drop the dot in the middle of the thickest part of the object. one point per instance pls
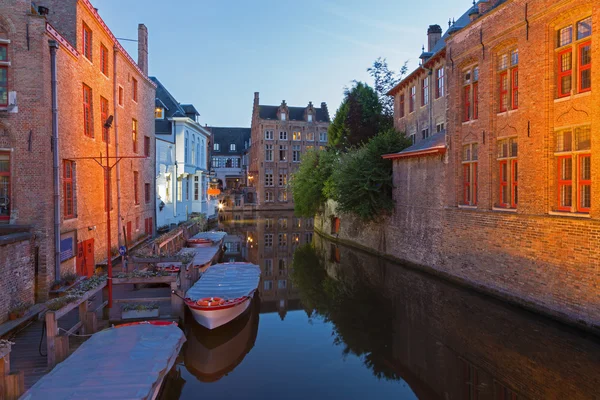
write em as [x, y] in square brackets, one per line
[53, 47]
[116, 128]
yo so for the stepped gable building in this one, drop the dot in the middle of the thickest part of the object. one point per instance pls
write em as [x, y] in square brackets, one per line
[96, 78]
[181, 160]
[230, 156]
[280, 134]
[511, 205]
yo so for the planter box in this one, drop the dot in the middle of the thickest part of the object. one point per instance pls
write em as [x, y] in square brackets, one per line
[139, 314]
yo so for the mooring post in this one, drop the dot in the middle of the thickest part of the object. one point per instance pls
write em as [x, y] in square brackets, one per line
[51, 332]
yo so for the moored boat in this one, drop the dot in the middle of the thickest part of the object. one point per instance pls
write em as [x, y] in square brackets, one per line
[199, 242]
[222, 293]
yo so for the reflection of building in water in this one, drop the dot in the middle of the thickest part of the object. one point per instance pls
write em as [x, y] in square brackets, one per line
[269, 239]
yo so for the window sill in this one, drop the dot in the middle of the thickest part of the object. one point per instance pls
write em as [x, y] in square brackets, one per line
[466, 207]
[507, 112]
[573, 96]
[469, 122]
[569, 214]
[502, 209]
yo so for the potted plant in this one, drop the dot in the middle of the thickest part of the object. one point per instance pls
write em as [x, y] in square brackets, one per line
[56, 285]
[18, 311]
[69, 278]
[139, 310]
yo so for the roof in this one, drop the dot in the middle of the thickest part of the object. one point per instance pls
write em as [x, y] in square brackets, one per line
[296, 113]
[435, 144]
[123, 362]
[226, 136]
[189, 109]
[172, 106]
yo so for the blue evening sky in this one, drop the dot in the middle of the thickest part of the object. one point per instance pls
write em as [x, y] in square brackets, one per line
[216, 54]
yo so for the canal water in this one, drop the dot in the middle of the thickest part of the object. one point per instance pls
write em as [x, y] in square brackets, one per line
[330, 322]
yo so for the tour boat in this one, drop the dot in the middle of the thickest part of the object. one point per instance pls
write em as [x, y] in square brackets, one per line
[222, 293]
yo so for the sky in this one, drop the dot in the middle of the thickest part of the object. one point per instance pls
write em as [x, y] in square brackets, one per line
[216, 54]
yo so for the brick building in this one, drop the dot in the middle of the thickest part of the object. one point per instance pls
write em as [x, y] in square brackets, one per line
[507, 204]
[230, 156]
[280, 134]
[95, 78]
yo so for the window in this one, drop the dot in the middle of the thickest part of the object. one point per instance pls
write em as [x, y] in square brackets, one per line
[296, 136]
[310, 137]
[508, 81]
[134, 87]
[121, 96]
[413, 138]
[439, 127]
[159, 112]
[282, 177]
[103, 117]
[148, 226]
[298, 223]
[281, 269]
[401, 107]
[147, 192]
[282, 223]
[281, 284]
[268, 135]
[268, 285]
[269, 177]
[104, 59]
[310, 118]
[88, 122]
[470, 94]
[574, 170]
[187, 188]
[282, 152]
[69, 189]
[309, 223]
[196, 188]
[439, 82]
[87, 42]
[308, 237]
[296, 153]
[283, 196]
[425, 133]
[283, 116]
[216, 147]
[134, 134]
[411, 99]
[168, 188]
[147, 146]
[268, 267]
[136, 197]
[282, 135]
[507, 173]
[282, 239]
[179, 189]
[268, 240]
[295, 239]
[322, 136]
[193, 159]
[5, 181]
[268, 223]
[268, 152]
[232, 147]
[469, 164]
[4, 64]
[579, 53]
[425, 91]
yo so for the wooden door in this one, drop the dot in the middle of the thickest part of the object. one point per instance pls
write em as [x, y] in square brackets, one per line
[85, 258]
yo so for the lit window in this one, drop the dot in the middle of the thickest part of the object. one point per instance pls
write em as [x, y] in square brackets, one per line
[159, 113]
[283, 177]
[134, 134]
[296, 136]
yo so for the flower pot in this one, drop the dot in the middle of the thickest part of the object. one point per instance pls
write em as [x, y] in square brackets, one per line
[140, 314]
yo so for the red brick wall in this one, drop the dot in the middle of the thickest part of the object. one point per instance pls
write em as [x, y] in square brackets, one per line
[16, 276]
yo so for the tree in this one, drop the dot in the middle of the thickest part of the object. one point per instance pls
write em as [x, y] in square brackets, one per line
[358, 118]
[309, 184]
[385, 80]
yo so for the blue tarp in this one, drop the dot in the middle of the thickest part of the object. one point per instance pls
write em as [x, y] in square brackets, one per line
[227, 281]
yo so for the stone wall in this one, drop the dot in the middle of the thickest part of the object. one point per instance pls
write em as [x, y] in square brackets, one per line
[17, 275]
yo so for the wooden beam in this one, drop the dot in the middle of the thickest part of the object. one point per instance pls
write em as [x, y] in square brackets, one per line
[153, 279]
[15, 385]
[51, 332]
[66, 309]
[75, 327]
[142, 300]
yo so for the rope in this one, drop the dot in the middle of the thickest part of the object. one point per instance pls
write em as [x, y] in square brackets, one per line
[73, 334]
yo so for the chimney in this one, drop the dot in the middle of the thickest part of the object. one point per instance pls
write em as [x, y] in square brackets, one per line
[324, 108]
[143, 48]
[255, 98]
[434, 34]
[484, 6]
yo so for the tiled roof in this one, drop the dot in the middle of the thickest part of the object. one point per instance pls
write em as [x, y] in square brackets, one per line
[296, 113]
[226, 136]
[436, 142]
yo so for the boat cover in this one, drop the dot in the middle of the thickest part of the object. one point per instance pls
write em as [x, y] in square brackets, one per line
[117, 363]
[202, 255]
[215, 236]
[227, 281]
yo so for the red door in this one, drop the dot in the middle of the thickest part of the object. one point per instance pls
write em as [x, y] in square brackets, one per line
[85, 258]
[129, 233]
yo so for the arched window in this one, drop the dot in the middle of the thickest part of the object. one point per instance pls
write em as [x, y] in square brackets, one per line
[185, 148]
[193, 151]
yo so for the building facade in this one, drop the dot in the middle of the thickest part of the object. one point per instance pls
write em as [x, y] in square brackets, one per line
[280, 134]
[230, 156]
[96, 79]
[181, 160]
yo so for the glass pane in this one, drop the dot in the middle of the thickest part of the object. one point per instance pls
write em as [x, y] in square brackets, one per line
[586, 168]
[514, 57]
[565, 36]
[585, 54]
[466, 153]
[585, 196]
[4, 163]
[503, 148]
[516, 194]
[513, 147]
[584, 28]
[566, 62]
[582, 136]
[566, 196]
[566, 169]
[475, 74]
[564, 140]
[504, 194]
[503, 61]
[475, 151]
[3, 53]
[586, 79]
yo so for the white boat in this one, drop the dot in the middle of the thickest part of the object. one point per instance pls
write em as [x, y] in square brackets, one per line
[222, 293]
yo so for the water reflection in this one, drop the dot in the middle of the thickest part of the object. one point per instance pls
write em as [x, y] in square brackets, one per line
[339, 323]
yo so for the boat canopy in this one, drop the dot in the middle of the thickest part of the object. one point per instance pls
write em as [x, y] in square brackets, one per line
[117, 363]
[227, 281]
[215, 236]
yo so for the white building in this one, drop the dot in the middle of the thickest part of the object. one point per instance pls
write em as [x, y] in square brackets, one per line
[181, 160]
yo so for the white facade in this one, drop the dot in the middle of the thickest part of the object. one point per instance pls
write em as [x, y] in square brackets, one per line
[182, 172]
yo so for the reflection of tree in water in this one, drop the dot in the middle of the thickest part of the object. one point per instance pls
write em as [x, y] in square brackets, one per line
[361, 316]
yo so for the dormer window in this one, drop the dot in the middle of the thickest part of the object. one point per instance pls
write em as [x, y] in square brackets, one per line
[310, 118]
[283, 116]
[159, 113]
[216, 147]
[232, 147]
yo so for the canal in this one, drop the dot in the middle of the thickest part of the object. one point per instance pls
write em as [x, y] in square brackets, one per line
[331, 322]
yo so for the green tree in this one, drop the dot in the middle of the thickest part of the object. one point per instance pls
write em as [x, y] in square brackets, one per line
[385, 80]
[310, 186]
[362, 182]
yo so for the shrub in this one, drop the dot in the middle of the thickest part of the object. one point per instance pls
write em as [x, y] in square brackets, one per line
[310, 184]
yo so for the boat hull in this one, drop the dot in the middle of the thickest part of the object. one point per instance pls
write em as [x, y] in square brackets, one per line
[214, 318]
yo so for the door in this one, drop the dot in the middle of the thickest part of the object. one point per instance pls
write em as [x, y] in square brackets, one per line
[129, 233]
[85, 258]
